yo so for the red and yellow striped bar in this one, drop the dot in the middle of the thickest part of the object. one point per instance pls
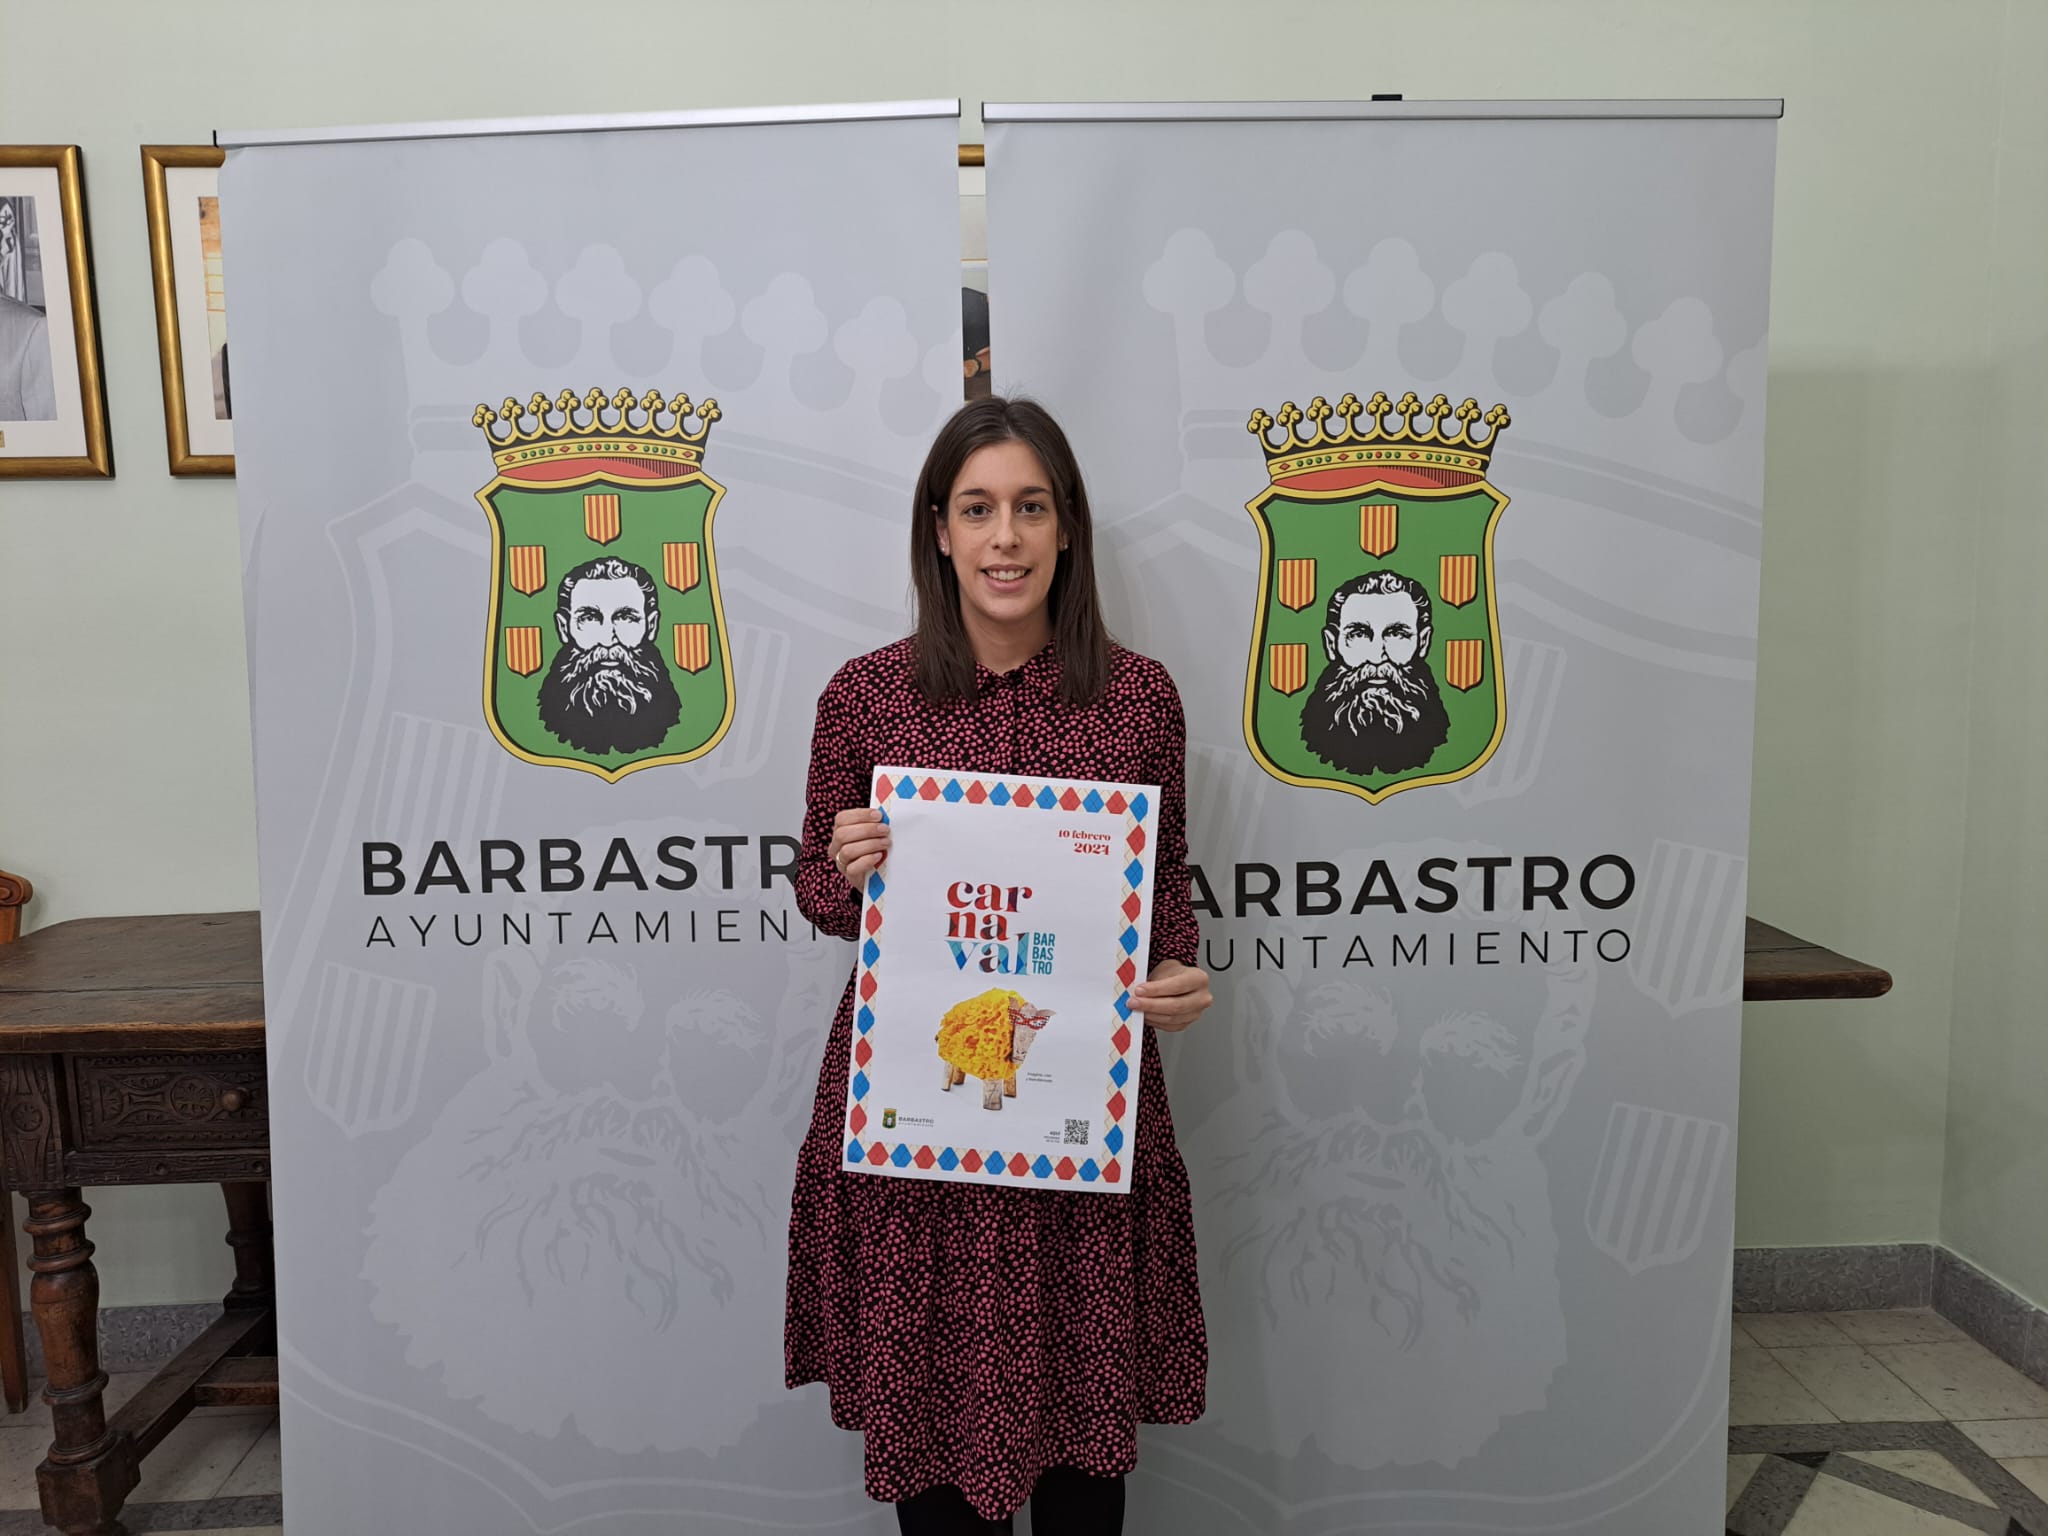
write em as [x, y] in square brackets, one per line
[1287, 667]
[1379, 527]
[1464, 663]
[679, 566]
[601, 516]
[522, 649]
[1296, 584]
[527, 567]
[693, 647]
[1457, 581]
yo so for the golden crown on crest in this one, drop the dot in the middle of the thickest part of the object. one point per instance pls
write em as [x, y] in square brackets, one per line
[622, 424]
[1410, 430]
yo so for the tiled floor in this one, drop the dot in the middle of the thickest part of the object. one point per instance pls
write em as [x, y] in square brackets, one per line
[1842, 1424]
[1880, 1424]
[217, 1472]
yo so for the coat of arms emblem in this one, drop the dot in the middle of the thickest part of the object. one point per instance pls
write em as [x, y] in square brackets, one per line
[1376, 655]
[607, 644]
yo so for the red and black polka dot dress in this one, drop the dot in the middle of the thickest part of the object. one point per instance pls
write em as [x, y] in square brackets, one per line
[978, 1334]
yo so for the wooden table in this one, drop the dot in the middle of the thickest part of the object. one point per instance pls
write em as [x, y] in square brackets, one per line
[131, 1052]
[1776, 967]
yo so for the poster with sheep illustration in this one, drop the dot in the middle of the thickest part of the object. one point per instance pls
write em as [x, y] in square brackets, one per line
[995, 1038]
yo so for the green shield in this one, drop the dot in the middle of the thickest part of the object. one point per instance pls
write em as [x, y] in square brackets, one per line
[607, 648]
[1428, 629]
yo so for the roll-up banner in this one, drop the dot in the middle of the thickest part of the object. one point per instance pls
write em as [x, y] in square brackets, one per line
[573, 457]
[1427, 441]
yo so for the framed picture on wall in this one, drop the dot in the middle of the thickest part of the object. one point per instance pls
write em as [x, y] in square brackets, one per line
[974, 269]
[53, 403]
[181, 186]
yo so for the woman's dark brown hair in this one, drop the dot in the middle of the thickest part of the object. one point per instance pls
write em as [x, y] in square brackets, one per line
[945, 659]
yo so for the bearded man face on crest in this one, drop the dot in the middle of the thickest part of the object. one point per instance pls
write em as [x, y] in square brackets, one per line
[608, 689]
[1376, 709]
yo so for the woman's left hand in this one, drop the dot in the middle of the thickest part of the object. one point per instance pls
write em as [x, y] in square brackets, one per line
[1173, 996]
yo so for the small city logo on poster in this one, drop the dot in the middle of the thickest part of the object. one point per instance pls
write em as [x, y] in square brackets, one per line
[606, 649]
[1376, 652]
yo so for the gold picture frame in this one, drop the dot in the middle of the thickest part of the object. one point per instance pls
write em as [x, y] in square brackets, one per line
[183, 201]
[53, 398]
[974, 270]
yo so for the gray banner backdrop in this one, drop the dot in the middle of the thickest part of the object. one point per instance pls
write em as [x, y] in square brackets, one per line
[531, 1193]
[1465, 1227]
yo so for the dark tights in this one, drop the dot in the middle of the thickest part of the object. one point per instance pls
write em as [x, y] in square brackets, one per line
[1066, 1502]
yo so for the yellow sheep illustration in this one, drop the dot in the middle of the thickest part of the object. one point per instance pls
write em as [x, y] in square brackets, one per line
[988, 1037]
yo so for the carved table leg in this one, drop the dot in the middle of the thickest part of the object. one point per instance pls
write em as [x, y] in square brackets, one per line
[13, 1355]
[249, 1236]
[89, 1470]
[255, 1274]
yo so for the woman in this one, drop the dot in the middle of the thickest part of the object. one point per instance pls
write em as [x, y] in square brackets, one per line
[998, 1344]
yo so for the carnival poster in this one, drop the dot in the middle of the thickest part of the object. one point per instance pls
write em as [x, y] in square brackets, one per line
[995, 1037]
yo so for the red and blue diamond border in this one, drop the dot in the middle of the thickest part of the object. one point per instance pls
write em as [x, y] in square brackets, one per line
[1133, 806]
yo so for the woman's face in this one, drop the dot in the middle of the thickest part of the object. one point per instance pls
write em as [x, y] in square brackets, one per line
[1002, 534]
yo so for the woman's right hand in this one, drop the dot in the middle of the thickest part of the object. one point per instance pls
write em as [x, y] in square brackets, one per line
[860, 841]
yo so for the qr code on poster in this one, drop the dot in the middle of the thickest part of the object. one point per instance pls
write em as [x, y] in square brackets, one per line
[1078, 1133]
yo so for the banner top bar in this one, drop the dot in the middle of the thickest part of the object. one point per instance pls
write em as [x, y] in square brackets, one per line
[611, 122]
[1342, 111]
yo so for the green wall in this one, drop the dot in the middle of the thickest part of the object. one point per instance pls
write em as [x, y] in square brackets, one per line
[1995, 1200]
[124, 777]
